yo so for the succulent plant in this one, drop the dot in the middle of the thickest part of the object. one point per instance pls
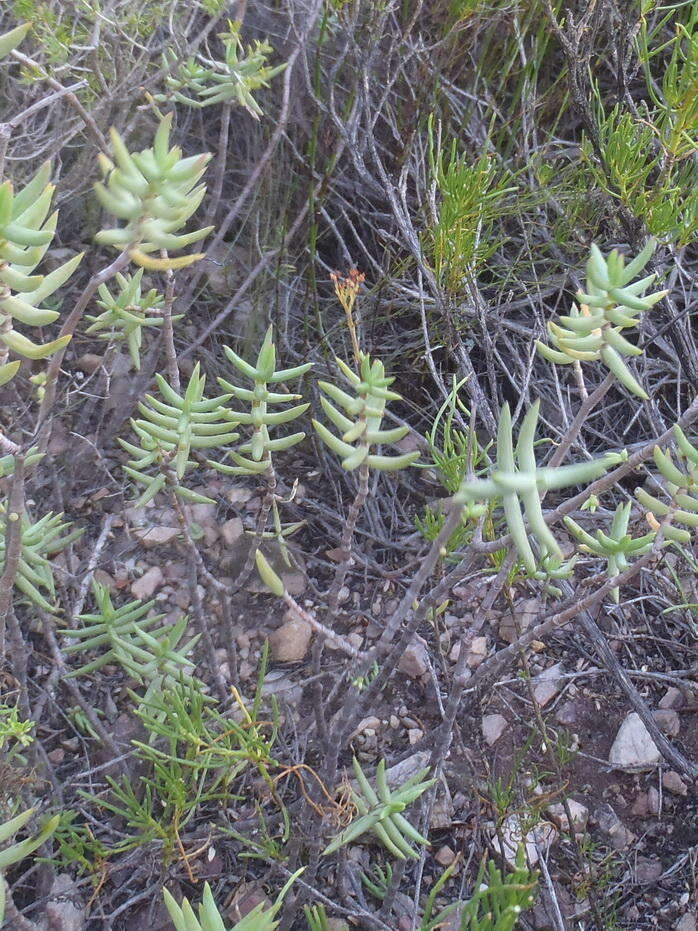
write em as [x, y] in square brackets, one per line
[124, 636]
[617, 547]
[612, 303]
[681, 487]
[26, 233]
[242, 71]
[170, 429]
[260, 446]
[17, 852]
[261, 918]
[380, 812]
[183, 79]
[127, 313]
[517, 479]
[362, 429]
[40, 541]
[155, 191]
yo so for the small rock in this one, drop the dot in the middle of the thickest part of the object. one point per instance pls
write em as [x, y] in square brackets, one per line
[155, 536]
[290, 642]
[89, 363]
[444, 855]
[633, 750]
[371, 723]
[687, 922]
[672, 698]
[579, 812]
[569, 712]
[441, 816]
[610, 824]
[399, 773]
[232, 530]
[477, 652]
[540, 837]
[525, 613]
[65, 910]
[647, 870]
[148, 584]
[493, 726]
[653, 805]
[673, 783]
[414, 660]
[414, 735]
[669, 722]
[547, 685]
[640, 806]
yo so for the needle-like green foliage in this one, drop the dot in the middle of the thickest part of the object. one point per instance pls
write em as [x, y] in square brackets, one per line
[259, 448]
[15, 853]
[611, 303]
[155, 191]
[679, 484]
[40, 541]
[361, 430]
[26, 233]
[517, 479]
[170, 429]
[127, 313]
[261, 918]
[380, 812]
[617, 547]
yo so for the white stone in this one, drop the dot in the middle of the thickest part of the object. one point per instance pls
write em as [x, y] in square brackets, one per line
[493, 726]
[633, 750]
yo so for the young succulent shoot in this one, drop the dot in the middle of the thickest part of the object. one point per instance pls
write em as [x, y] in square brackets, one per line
[155, 191]
[517, 479]
[360, 431]
[39, 542]
[550, 569]
[680, 484]
[10, 40]
[26, 233]
[612, 302]
[617, 547]
[261, 918]
[170, 429]
[127, 313]
[154, 656]
[259, 448]
[242, 71]
[380, 812]
[15, 853]
[184, 80]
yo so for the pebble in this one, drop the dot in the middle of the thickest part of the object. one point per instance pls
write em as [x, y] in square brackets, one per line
[148, 584]
[290, 642]
[687, 922]
[539, 838]
[493, 726]
[673, 783]
[633, 750]
[579, 813]
[668, 721]
[444, 855]
[547, 685]
[672, 698]
[414, 660]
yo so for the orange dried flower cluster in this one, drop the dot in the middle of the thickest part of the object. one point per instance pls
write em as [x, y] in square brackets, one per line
[346, 288]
